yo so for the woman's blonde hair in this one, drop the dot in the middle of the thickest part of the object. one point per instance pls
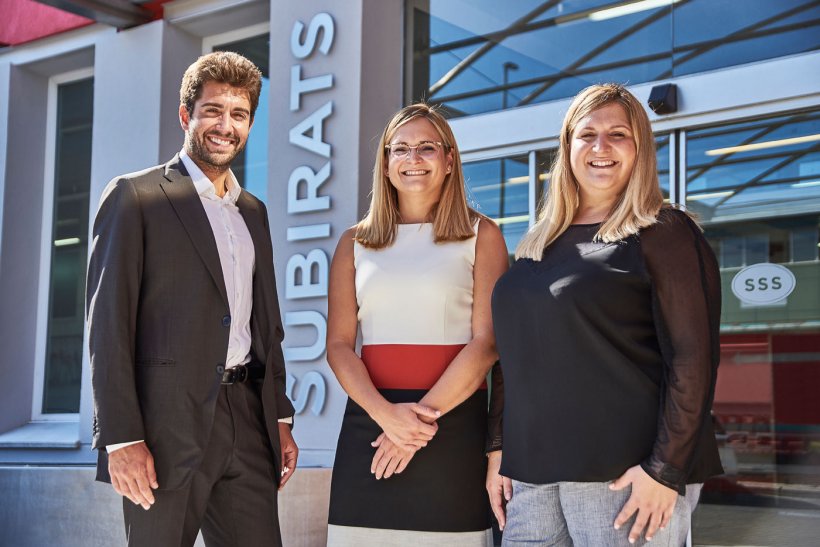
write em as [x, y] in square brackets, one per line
[638, 205]
[451, 217]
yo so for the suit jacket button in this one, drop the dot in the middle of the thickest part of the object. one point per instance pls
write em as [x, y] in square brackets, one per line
[226, 321]
[220, 368]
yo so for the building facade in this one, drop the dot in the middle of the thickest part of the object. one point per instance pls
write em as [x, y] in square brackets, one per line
[738, 143]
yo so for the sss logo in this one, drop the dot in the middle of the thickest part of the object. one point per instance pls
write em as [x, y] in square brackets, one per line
[762, 284]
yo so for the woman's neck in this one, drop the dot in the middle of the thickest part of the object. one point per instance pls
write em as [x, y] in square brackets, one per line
[415, 211]
[593, 211]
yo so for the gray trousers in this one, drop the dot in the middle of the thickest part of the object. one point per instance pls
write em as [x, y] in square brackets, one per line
[582, 514]
[232, 496]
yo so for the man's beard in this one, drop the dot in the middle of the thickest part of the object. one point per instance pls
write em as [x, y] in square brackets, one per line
[198, 151]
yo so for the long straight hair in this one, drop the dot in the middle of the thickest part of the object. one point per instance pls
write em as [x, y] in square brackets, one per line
[636, 207]
[451, 217]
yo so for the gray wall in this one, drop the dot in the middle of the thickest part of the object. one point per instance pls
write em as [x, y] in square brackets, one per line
[55, 505]
[365, 61]
[20, 243]
[64, 507]
[5, 106]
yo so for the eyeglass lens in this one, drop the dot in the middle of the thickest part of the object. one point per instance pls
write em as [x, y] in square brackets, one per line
[426, 150]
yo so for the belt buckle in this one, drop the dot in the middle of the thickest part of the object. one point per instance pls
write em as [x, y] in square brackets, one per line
[235, 375]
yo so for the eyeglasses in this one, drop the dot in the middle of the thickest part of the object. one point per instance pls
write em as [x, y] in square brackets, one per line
[427, 149]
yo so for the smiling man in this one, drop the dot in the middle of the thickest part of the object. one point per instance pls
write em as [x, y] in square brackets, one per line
[191, 420]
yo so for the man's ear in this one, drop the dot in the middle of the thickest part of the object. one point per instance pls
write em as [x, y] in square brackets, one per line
[184, 119]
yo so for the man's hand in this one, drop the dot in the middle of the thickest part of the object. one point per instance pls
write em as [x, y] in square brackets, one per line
[653, 501]
[403, 424]
[290, 452]
[133, 474]
[499, 488]
[389, 458]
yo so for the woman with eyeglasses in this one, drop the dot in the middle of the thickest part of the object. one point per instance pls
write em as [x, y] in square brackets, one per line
[607, 329]
[414, 276]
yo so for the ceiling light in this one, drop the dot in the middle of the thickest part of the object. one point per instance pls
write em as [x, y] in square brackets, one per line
[511, 220]
[66, 242]
[628, 8]
[710, 195]
[762, 145]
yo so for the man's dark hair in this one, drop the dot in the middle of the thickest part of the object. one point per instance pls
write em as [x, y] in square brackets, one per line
[224, 67]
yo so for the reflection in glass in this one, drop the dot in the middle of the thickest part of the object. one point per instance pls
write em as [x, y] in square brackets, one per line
[463, 50]
[769, 166]
[69, 251]
[710, 34]
[543, 163]
[755, 186]
[766, 405]
[662, 157]
[500, 189]
[251, 165]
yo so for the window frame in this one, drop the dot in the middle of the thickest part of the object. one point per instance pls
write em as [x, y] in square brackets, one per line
[47, 223]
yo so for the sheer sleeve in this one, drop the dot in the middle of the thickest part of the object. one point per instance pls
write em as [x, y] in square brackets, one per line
[495, 415]
[686, 309]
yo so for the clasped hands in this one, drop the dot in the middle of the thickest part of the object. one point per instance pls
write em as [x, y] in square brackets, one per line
[406, 427]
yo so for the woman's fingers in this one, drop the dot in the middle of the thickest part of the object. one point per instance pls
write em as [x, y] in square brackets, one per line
[667, 518]
[377, 458]
[652, 501]
[499, 488]
[382, 465]
[403, 426]
[640, 524]
[507, 485]
[626, 513]
[389, 458]
[391, 466]
[404, 461]
[426, 411]
[654, 523]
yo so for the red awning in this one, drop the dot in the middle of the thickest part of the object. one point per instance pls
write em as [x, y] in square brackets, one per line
[26, 20]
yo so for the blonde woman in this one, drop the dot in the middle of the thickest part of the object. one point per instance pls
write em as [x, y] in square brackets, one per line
[415, 278]
[607, 331]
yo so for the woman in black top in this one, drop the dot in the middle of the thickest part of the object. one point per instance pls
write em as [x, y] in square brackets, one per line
[607, 330]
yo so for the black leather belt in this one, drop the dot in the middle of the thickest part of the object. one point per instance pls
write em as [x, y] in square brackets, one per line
[242, 373]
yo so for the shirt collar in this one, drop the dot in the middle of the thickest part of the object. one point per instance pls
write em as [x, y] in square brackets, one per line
[204, 186]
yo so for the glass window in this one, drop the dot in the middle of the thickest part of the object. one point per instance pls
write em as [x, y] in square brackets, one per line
[662, 157]
[251, 165]
[763, 167]
[755, 186]
[543, 163]
[69, 250]
[473, 57]
[500, 189]
[710, 34]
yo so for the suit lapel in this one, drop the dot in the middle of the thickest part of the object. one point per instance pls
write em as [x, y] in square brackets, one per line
[186, 202]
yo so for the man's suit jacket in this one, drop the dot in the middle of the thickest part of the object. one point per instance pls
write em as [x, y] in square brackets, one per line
[159, 321]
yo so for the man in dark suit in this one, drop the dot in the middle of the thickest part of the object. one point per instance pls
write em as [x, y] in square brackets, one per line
[191, 420]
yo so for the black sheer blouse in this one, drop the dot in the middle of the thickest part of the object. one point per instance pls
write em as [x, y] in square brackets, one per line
[609, 353]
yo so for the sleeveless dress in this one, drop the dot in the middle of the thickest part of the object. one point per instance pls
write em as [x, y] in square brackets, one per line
[415, 309]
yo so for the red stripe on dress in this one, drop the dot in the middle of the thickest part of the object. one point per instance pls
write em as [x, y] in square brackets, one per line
[408, 366]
